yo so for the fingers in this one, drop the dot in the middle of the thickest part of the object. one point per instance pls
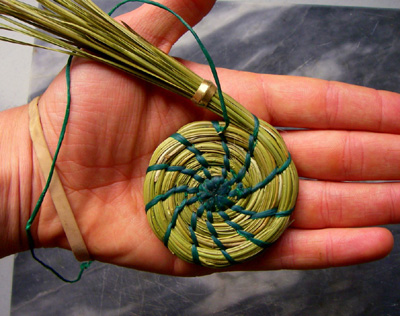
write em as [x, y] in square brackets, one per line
[316, 249]
[345, 155]
[331, 204]
[310, 103]
[311, 249]
[160, 27]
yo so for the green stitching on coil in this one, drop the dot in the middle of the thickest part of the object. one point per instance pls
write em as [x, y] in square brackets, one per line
[172, 223]
[228, 257]
[224, 147]
[195, 254]
[215, 194]
[263, 214]
[251, 146]
[183, 170]
[247, 235]
[284, 213]
[189, 146]
[166, 195]
[245, 192]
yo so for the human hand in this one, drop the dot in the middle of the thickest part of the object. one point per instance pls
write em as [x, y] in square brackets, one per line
[117, 121]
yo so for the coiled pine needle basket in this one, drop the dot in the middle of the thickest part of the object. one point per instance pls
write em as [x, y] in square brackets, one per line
[216, 193]
[218, 199]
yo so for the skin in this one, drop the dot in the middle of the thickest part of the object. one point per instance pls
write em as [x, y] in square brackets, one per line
[117, 121]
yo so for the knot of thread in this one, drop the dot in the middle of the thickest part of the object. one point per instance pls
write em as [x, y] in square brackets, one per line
[214, 194]
[217, 199]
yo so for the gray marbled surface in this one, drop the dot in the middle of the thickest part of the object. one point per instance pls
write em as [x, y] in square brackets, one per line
[354, 45]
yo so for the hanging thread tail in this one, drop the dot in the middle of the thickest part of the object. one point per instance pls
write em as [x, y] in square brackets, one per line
[56, 189]
[202, 96]
[67, 219]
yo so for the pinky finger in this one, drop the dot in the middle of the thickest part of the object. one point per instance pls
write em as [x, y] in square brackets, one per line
[324, 248]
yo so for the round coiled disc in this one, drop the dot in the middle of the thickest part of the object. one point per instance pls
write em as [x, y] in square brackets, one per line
[216, 198]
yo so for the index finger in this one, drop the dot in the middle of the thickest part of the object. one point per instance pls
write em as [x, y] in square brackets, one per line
[310, 103]
[314, 103]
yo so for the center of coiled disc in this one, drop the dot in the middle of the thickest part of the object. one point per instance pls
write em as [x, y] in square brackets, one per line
[213, 193]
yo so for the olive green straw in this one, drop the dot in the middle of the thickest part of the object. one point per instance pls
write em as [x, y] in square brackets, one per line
[217, 193]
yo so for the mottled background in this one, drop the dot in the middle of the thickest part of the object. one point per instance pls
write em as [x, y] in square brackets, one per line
[354, 45]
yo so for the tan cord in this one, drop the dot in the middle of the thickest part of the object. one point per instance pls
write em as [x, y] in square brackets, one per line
[56, 189]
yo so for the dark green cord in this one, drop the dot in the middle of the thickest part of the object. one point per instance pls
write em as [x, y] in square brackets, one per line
[35, 211]
[31, 242]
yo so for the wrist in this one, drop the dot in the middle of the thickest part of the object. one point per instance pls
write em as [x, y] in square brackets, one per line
[20, 187]
[16, 179]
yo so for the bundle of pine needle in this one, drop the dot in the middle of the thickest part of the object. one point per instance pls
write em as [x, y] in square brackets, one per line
[217, 193]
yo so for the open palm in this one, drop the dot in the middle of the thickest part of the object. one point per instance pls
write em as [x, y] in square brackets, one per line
[117, 121]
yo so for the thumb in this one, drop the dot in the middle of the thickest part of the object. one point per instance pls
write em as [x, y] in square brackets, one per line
[161, 28]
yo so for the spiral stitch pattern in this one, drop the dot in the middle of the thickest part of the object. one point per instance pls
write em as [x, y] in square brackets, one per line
[215, 198]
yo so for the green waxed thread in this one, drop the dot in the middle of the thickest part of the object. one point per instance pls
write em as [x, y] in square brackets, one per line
[223, 198]
[172, 223]
[247, 235]
[284, 213]
[168, 168]
[60, 140]
[212, 230]
[225, 148]
[195, 254]
[163, 197]
[83, 265]
[228, 257]
[209, 215]
[189, 146]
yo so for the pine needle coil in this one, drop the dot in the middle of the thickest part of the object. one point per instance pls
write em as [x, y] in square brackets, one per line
[218, 199]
